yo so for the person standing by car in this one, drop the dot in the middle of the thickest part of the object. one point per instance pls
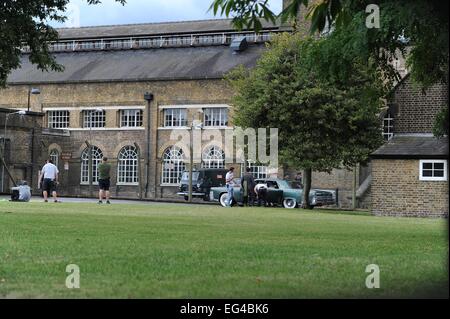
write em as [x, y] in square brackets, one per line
[261, 192]
[104, 180]
[230, 183]
[247, 186]
[49, 176]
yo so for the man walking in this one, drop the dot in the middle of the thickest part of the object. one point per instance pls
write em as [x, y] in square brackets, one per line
[247, 186]
[104, 180]
[230, 183]
[49, 177]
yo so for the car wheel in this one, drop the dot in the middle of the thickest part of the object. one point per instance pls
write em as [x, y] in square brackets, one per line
[223, 200]
[289, 203]
[186, 198]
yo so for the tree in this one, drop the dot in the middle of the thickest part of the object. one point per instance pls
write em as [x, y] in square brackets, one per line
[26, 23]
[324, 123]
[417, 30]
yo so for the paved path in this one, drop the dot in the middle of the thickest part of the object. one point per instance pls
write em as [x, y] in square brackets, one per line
[113, 201]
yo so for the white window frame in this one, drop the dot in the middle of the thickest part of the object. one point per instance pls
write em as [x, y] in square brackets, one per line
[131, 118]
[127, 165]
[172, 156]
[58, 119]
[180, 119]
[432, 178]
[390, 126]
[258, 170]
[54, 156]
[215, 115]
[213, 157]
[84, 167]
[94, 119]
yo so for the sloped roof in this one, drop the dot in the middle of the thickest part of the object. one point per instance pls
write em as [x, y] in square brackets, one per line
[200, 26]
[139, 65]
[413, 146]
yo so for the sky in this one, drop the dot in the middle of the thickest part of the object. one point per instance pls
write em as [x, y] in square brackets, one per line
[140, 11]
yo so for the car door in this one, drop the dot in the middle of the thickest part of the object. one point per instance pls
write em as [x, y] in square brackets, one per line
[274, 193]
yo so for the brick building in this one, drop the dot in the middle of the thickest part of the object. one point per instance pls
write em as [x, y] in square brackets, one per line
[410, 171]
[98, 102]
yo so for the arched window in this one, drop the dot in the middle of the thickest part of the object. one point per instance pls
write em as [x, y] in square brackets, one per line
[388, 126]
[173, 165]
[127, 168]
[213, 157]
[97, 156]
[54, 156]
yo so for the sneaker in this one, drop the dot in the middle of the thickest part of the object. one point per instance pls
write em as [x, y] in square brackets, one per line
[100, 202]
[45, 201]
[108, 202]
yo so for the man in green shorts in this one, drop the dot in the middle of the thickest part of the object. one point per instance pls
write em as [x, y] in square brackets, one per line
[104, 180]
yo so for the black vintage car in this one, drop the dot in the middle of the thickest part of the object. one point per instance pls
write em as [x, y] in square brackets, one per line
[202, 181]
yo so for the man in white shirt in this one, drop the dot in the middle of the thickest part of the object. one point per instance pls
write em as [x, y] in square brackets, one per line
[261, 192]
[49, 176]
[230, 183]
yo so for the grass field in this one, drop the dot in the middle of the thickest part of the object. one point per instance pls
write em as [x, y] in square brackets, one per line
[174, 251]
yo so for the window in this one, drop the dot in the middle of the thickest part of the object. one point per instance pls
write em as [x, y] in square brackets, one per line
[127, 169]
[258, 171]
[131, 118]
[388, 126]
[94, 118]
[173, 165]
[433, 170]
[175, 117]
[54, 156]
[213, 157]
[97, 156]
[216, 117]
[58, 119]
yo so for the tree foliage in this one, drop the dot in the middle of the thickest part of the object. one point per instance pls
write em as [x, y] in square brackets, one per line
[421, 25]
[26, 23]
[323, 122]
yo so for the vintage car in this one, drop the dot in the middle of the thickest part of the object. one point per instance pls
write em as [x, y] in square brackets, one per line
[202, 181]
[279, 192]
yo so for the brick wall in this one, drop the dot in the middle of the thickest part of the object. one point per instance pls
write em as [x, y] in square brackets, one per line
[397, 191]
[415, 110]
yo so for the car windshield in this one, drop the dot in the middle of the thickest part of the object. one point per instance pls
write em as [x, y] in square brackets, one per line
[288, 184]
[185, 176]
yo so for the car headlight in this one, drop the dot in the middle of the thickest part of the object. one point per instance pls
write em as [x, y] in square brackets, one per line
[198, 185]
[211, 195]
[313, 201]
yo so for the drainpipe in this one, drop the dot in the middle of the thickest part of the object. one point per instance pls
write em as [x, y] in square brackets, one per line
[139, 168]
[149, 98]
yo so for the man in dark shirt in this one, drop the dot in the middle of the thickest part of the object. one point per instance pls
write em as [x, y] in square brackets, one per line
[247, 186]
[104, 180]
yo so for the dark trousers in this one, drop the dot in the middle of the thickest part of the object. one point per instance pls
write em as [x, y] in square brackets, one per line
[248, 199]
[262, 197]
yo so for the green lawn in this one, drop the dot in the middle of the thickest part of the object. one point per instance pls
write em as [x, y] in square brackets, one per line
[198, 251]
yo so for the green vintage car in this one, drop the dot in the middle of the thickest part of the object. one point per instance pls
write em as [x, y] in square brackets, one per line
[279, 192]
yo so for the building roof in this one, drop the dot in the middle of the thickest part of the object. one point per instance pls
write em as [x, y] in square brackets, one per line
[139, 65]
[413, 146]
[145, 29]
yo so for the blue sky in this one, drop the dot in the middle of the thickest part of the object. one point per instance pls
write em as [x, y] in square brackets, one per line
[140, 11]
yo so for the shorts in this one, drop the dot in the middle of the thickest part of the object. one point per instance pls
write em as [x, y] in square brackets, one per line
[49, 185]
[104, 184]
